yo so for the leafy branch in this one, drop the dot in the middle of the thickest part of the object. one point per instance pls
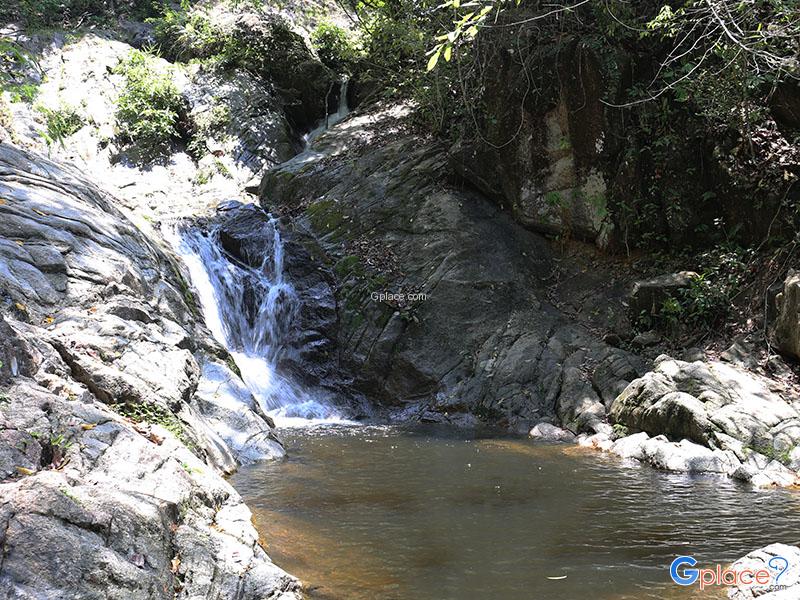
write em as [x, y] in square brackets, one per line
[466, 26]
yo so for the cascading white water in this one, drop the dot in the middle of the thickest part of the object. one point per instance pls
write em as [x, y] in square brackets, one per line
[250, 311]
[331, 119]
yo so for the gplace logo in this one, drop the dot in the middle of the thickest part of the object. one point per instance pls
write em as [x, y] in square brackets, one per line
[683, 572]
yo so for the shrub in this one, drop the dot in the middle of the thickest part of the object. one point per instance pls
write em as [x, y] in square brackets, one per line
[208, 124]
[709, 298]
[334, 47]
[149, 106]
[65, 13]
[185, 33]
[60, 123]
[15, 64]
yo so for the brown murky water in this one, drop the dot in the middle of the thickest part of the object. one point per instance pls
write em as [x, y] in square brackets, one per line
[374, 513]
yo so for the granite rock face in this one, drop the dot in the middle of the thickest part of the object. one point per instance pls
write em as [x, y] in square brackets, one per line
[113, 439]
[769, 558]
[441, 296]
[707, 403]
[786, 327]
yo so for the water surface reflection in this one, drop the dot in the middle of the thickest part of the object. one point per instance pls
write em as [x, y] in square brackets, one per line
[385, 513]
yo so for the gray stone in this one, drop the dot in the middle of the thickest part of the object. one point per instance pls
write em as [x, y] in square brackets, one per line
[548, 432]
[698, 400]
[685, 456]
[646, 339]
[785, 331]
[740, 353]
[111, 460]
[760, 559]
[647, 296]
[484, 340]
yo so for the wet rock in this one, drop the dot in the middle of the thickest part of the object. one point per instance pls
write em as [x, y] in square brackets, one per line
[684, 456]
[478, 336]
[763, 559]
[247, 234]
[550, 433]
[598, 441]
[771, 474]
[233, 414]
[108, 454]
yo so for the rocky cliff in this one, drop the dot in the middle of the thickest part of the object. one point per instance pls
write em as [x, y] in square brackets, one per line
[117, 410]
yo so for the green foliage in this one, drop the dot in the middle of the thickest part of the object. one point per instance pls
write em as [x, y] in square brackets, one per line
[39, 14]
[157, 415]
[335, 47]
[619, 431]
[467, 23]
[187, 33]
[14, 62]
[60, 123]
[710, 296]
[208, 124]
[22, 92]
[554, 200]
[771, 453]
[728, 55]
[207, 172]
[149, 106]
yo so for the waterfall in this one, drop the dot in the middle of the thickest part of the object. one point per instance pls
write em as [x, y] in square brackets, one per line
[331, 119]
[250, 311]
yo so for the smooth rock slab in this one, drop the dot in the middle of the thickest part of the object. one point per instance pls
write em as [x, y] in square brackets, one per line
[685, 456]
[702, 400]
[759, 559]
[550, 433]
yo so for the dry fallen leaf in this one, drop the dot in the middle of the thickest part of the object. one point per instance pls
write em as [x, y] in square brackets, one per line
[48, 320]
[21, 306]
[88, 426]
[25, 471]
[176, 562]
[2, 201]
[38, 212]
[93, 309]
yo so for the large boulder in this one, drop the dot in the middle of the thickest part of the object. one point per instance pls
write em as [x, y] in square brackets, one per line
[99, 507]
[772, 558]
[441, 301]
[707, 403]
[539, 153]
[237, 118]
[263, 41]
[110, 459]
[786, 328]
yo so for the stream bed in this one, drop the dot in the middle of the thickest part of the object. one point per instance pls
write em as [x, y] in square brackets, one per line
[429, 513]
